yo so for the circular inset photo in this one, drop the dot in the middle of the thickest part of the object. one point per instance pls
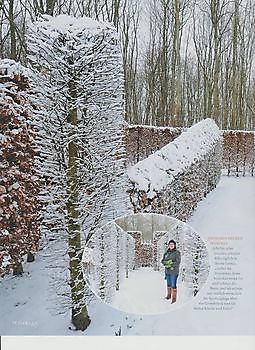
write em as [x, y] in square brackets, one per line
[145, 263]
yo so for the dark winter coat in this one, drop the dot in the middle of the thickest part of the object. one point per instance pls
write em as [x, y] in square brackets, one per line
[175, 256]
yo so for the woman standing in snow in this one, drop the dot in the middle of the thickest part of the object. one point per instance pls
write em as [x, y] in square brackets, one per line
[171, 260]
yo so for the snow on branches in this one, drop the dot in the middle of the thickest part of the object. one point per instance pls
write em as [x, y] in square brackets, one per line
[81, 72]
[19, 181]
[81, 129]
[108, 258]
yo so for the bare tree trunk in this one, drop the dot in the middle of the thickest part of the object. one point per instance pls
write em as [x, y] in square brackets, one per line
[12, 31]
[18, 269]
[176, 62]
[45, 8]
[30, 257]
[129, 40]
[50, 4]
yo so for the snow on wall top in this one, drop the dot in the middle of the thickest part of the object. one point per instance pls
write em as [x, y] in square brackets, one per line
[134, 126]
[160, 168]
[63, 23]
[237, 131]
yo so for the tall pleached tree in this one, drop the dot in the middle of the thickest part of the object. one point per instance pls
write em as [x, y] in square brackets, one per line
[81, 78]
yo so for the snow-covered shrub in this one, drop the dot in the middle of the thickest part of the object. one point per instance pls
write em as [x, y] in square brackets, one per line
[239, 152]
[174, 179]
[19, 181]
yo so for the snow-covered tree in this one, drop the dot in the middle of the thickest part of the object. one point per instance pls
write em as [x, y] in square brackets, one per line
[19, 181]
[82, 133]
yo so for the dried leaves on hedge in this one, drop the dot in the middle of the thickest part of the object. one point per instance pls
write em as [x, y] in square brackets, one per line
[19, 183]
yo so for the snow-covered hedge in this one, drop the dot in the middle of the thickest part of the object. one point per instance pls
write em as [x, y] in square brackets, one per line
[239, 152]
[143, 140]
[238, 146]
[19, 181]
[174, 179]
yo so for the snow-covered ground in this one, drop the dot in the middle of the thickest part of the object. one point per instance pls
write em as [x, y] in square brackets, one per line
[144, 293]
[27, 304]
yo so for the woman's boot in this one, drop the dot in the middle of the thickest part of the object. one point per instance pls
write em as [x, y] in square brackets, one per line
[169, 293]
[174, 297]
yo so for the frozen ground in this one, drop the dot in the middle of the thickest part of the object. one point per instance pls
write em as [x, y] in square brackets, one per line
[28, 304]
